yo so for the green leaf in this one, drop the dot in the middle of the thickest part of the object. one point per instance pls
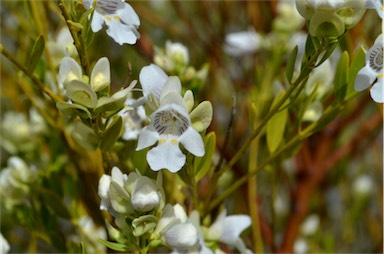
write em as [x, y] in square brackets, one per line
[143, 224]
[357, 64]
[113, 103]
[55, 203]
[114, 246]
[309, 50]
[82, 94]
[291, 65]
[341, 77]
[329, 50]
[37, 51]
[72, 110]
[84, 135]
[82, 248]
[111, 134]
[202, 165]
[276, 126]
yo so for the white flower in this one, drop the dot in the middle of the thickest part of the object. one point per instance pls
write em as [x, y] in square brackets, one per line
[181, 237]
[227, 229]
[170, 125]
[377, 5]
[300, 246]
[121, 19]
[144, 196]
[363, 185]
[4, 245]
[133, 119]
[61, 46]
[104, 186]
[15, 181]
[372, 72]
[152, 79]
[124, 194]
[167, 220]
[176, 56]
[310, 225]
[242, 43]
[71, 70]
[90, 235]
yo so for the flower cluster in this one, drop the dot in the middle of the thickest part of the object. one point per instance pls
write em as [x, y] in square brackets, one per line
[138, 205]
[172, 120]
[15, 182]
[89, 98]
[174, 60]
[123, 194]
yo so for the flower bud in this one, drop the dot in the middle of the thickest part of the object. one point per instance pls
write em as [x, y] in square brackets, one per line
[181, 236]
[144, 195]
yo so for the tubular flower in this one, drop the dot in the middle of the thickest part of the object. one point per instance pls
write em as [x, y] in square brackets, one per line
[372, 72]
[170, 125]
[121, 19]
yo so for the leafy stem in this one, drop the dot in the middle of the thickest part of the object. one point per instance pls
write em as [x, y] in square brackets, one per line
[302, 77]
[34, 79]
[79, 44]
[292, 143]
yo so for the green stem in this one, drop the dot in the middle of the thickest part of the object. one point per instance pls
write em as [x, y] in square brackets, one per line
[38, 19]
[34, 79]
[252, 197]
[293, 142]
[303, 76]
[76, 38]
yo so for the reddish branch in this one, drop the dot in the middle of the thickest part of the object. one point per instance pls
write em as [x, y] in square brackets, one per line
[313, 163]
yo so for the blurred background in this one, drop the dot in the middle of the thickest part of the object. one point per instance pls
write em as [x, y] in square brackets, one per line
[323, 196]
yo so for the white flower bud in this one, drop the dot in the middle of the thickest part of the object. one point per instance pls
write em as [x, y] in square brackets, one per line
[182, 236]
[144, 195]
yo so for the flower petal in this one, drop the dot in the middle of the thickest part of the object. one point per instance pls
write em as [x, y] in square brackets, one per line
[193, 142]
[101, 74]
[103, 191]
[377, 91]
[120, 32]
[233, 226]
[144, 195]
[128, 15]
[167, 220]
[166, 155]
[152, 79]
[364, 78]
[147, 138]
[118, 176]
[182, 236]
[69, 70]
[97, 22]
[180, 213]
[216, 229]
[172, 84]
